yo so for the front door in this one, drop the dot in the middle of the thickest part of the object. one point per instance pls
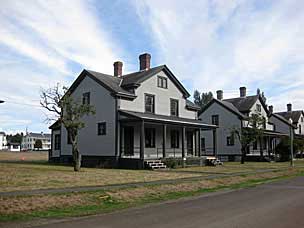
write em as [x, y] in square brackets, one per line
[190, 142]
[129, 140]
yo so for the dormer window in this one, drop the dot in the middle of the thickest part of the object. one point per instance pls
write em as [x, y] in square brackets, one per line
[86, 98]
[149, 103]
[258, 107]
[162, 82]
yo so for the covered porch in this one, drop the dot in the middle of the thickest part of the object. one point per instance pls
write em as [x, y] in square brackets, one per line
[146, 136]
[265, 145]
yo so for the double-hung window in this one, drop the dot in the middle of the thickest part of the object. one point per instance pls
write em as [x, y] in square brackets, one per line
[174, 107]
[102, 128]
[149, 103]
[230, 140]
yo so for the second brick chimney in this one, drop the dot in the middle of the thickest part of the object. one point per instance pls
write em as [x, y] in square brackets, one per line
[289, 107]
[243, 91]
[219, 94]
[144, 61]
[270, 109]
[118, 68]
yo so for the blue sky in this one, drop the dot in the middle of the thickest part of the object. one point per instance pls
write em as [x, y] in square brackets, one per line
[209, 45]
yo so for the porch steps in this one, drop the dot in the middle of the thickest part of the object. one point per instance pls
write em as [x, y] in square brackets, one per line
[155, 164]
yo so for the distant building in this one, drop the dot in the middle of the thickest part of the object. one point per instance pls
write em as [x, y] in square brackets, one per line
[3, 142]
[29, 140]
[14, 147]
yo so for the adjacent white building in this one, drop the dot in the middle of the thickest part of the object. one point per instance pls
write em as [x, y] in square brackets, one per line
[3, 141]
[29, 140]
[232, 113]
[139, 116]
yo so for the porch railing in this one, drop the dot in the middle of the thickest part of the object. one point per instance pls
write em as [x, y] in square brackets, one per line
[157, 152]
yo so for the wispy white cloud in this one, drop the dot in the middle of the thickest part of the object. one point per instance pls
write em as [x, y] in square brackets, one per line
[48, 41]
[225, 44]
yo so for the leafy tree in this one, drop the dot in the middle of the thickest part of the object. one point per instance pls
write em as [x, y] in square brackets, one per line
[202, 99]
[206, 98]
[69, 112]
[38, 144]
[283, 148]
[197, 98]
[249, 134]
[17, 138]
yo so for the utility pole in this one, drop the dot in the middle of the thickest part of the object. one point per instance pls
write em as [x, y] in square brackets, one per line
[291, 147]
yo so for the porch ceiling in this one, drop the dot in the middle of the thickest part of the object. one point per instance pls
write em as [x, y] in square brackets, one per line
[149, 117]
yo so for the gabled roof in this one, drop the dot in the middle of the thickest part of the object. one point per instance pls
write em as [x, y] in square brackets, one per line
[134, 79]
[282, 119]
[243, 104]
[229, 106]
[293, 115]
[55, 125]
[118, 86]
[109, 82]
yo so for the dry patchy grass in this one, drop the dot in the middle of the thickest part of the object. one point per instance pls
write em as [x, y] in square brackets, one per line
[24, 176]
[23, 156]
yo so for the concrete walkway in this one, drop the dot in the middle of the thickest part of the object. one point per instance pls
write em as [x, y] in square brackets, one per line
[132, 184]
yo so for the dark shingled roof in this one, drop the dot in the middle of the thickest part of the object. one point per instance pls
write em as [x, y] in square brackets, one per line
[293, 115]
[110, 81]
[286, 121]
[39, 135]
[191, 105]
[243, 104]
[140, 76]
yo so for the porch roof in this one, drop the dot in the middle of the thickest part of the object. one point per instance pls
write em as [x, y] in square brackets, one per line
[273, 133]
[149, 117]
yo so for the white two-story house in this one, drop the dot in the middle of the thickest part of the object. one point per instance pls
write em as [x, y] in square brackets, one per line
[30, 138]
[139, 116]
[229, 114]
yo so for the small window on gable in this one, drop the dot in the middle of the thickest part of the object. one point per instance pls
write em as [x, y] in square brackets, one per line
[258, 107]
[215, 120]
[101, 128]
[162, 82]
[86, 98]
[302, 119]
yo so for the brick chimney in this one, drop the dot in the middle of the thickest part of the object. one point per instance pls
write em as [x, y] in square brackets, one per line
[270, 109]
[117, 68]
[144, 61]
[243, 91]
[289, 107]
[219, 94]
